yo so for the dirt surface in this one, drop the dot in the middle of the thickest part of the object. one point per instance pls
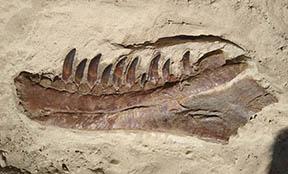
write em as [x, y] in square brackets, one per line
[36, 35]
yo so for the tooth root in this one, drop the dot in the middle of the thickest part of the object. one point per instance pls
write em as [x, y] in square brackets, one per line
[68, 64]
[106, 75]
[84, 88]
[118, 72]
[166, 70]
[93, 69]
[58, 83]
[36, 78]
[80, 71]
[153, 75]
[143, 79]
[131, 76]
[45, 82]
[186, 62]
[96, 90]
[71, 87]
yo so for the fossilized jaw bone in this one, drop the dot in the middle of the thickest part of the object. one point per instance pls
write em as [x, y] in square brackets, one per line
[208, 98]
[121, 76]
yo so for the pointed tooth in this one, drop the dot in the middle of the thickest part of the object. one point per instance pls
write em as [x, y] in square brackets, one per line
[166, 70]
[118, 72]
[106, 75]
[143, 79]
[131, 76]
[93, 68]
[153, 75]
[68, 64]
[186, 62]
[80, 71]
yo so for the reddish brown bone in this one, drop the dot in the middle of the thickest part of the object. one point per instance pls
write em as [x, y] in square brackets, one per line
[112, 103]
[80, 71]
[93, 68]
[68, 65]
[119, 72]
[190, 111]
[131, 76]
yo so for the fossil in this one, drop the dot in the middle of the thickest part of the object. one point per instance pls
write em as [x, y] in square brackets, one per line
[208, 95]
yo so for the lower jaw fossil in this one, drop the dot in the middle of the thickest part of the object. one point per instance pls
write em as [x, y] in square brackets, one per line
[206, 96]
[202, 105]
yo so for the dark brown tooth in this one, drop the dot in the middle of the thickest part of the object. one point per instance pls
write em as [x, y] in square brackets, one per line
[143, 79]
[80, 71]
[106, 75]
[166, 70]
[118, 72]
[186, 62]
[68, 65]
[153, 75]
[131, 76]
[93, 68]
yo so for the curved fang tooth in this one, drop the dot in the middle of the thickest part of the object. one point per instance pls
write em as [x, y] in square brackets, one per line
[68, 64]
[143, 79]
[186, 62]
[153, 69]
[118, 72]
[106, 75]
[93, 68]
[166, 70]
[80, 71]
[131, 77]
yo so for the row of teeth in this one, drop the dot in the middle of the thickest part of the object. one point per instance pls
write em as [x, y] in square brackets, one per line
[122, 73]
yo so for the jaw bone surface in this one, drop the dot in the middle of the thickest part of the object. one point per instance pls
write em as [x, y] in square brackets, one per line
[207, 98]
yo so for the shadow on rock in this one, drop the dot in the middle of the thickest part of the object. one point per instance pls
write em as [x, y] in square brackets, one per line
[12, 170]
[279, 163]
